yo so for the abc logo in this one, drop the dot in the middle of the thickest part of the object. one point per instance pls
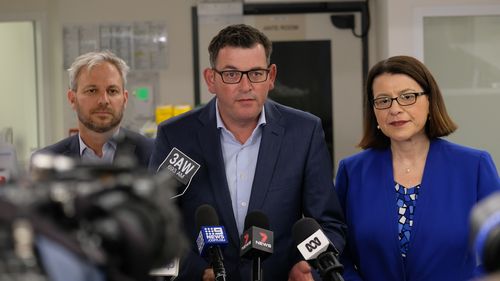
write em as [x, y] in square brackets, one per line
[313, 244]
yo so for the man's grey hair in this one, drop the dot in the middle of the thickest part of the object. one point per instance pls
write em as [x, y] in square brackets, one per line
[91, 59]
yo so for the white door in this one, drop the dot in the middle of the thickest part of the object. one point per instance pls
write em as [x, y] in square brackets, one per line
[18, 89]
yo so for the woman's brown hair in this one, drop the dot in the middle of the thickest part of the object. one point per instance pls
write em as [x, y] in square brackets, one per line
[439, 123]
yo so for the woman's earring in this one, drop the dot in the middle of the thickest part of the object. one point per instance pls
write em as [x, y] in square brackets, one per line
[378, 127]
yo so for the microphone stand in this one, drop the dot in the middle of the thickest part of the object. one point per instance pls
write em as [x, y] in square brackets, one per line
[256, 269]
[217, 264]
[329, 267]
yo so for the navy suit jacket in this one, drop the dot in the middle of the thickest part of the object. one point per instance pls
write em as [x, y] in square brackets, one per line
[293, 177]
[454, 179]
[139, 145]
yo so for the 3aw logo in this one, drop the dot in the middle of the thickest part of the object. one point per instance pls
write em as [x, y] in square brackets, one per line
[181, 167]
[313, 244]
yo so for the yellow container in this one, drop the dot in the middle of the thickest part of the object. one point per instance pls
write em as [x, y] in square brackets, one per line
[164, 112]
[181, 108]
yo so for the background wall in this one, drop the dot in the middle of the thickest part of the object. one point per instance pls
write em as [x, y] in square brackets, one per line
[470, 105]
[176, 82]
[393, 32]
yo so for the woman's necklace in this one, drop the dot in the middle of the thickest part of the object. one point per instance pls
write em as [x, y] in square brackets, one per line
[412, 164]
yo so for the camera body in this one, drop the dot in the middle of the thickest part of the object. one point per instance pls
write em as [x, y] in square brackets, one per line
[118, 218]
[485, 232]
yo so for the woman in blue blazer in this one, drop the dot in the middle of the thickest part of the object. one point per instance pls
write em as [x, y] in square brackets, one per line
[408, 195]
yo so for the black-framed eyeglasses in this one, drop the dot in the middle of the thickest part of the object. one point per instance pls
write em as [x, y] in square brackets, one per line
[234, 76]
[403, 100]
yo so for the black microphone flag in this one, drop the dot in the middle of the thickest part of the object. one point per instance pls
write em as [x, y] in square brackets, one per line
[257, 239]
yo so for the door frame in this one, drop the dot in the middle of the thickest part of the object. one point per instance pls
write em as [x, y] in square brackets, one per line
[288, 8]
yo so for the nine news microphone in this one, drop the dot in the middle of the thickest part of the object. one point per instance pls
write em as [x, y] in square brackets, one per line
[211, 238]
[256, 241]
[317, 249]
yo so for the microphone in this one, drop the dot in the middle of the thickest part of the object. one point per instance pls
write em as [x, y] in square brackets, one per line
[256, 241]
[211, 238]
[317, 249]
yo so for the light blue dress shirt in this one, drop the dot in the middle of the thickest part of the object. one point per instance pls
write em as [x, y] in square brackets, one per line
[62, 265]
[108, 152]
[240, 161]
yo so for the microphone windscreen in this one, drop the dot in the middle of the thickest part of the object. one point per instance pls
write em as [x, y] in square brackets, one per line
[304, 228]
[206, 216]
[258, 219]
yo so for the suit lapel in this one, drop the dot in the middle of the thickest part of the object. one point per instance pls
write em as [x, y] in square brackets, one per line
[208, 137]
[73, 149]
[272, 136]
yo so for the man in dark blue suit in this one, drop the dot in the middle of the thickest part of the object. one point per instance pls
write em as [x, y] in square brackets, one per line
[255, 154]
[98, 96]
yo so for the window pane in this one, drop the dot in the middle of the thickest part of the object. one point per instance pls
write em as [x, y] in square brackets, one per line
[463, 54]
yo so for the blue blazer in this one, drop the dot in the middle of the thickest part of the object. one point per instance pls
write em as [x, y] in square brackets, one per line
[139, 145]
[454, 179]
[293, 177]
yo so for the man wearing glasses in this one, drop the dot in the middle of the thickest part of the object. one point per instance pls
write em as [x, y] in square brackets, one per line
[254, 154]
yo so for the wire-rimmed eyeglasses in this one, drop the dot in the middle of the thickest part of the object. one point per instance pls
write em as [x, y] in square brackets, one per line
[234, 76]
[403, 100]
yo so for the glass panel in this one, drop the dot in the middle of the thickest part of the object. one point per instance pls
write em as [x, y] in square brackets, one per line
[463, 54]
[300, 88]
[18, 109]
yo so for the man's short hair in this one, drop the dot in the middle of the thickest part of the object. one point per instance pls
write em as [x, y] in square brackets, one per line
[239, 35]
[91, 59]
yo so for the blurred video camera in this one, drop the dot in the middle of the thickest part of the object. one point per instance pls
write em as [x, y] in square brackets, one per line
[485, 232]
[117, 218]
